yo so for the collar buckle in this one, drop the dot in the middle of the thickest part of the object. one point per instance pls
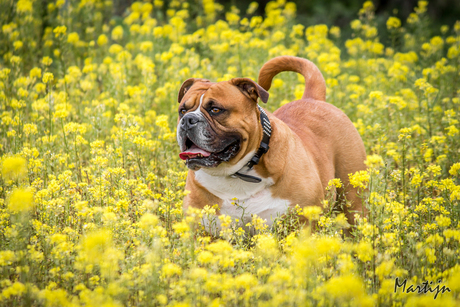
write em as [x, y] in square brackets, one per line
[264, 147]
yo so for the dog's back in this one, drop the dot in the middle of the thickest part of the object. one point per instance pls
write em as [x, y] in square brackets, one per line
[327, 133]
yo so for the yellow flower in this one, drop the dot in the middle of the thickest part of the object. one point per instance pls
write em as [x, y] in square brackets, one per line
[405, 133]
[161, 298]
[14, 168]
[413, 18]
[17, 45]
[455, 169]
[278, 36]
[198, 274]
[385, 269]
[280, 276]
[16, 288]
[312, 212]
[15, 60]
[205, 257]
[162, 122]
[148, 221]
[376, 95]
[443, 221]
[359, 179]
[421, 7]
[452, 130]
[364, 251]
[434, 169]
[21, 200]
[24, 6]
[252, 8]
[225, 220]
[35, 72]
[232, 18]
[393, 23]
[30, 129]
[374, 161]
[171, 269]
[181, 227]
[102, 40]
[356, 24]
[335, 31]
[47, 77]
[246, 281]
[96, 248]
[117, 33]
[6, 257]
[372, 32]
[59, 31]
[335, 182]
[367, 6]
[266, 246]
[255, 21]
[345, 289]
[73, 38]
[115, 49]
[146, 46]
[257, 223]
[47, 61]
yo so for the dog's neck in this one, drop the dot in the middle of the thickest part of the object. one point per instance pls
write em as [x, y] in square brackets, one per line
[263, 148]
[271, 164]
[219, 182]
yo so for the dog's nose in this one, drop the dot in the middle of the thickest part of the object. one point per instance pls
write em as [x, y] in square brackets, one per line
[189, 121]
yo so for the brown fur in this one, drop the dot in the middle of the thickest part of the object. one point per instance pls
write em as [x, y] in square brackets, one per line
[312, 141]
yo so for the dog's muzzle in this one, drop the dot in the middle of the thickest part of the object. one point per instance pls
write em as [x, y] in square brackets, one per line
[201, 146]
[189, 121]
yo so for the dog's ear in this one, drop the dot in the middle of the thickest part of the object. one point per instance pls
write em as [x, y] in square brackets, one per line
[251, 88]
[187, 85]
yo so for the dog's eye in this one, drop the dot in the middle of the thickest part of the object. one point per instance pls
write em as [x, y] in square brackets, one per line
[215, 110]
[182, 111]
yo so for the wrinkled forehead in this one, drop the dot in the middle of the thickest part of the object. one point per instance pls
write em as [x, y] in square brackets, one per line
[220, 91]
[223, 91]
[193, 95]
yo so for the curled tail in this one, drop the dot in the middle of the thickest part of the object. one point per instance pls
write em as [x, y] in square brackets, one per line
[315, 86]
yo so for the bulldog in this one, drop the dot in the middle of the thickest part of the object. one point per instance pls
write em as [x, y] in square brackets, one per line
[238, 152]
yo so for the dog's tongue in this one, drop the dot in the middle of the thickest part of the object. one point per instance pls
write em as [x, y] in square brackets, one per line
[193, 152]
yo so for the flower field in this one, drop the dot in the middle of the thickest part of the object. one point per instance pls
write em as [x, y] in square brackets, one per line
[91, 183]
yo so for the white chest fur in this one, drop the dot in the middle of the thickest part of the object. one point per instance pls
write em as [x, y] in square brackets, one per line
[252, 198]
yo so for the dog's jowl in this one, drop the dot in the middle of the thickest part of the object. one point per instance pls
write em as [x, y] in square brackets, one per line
[269, 162]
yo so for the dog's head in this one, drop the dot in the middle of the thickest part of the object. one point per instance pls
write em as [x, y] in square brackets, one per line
[218, 123]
